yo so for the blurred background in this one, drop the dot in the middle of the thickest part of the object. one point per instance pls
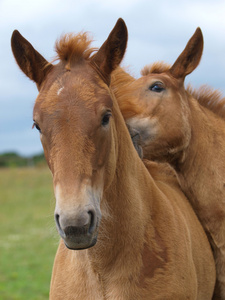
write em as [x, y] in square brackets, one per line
[158, 30]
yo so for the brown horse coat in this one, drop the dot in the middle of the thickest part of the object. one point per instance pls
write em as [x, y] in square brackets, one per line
[127, 233]
[187, 129]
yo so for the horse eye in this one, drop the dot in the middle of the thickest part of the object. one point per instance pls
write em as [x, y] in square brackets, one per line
[105, 119]
[157, 87]
[36, 126]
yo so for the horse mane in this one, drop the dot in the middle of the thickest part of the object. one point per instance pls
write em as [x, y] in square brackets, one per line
[209, 98]
[121, 77]
[206, 96]
[71, 48]
[120, 86]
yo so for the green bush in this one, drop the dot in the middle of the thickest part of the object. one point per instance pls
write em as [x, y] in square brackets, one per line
[12, 159]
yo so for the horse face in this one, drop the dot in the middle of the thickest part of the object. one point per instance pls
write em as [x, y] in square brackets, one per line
[73, 113]
[163, 115]
[158, 107]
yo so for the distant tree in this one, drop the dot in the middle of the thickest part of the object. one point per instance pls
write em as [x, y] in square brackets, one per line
[12, 159]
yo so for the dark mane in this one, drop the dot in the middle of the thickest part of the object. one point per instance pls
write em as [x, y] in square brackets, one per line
[209, 98]
[71, 48]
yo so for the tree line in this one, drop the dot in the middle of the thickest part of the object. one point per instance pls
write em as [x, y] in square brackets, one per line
[13, 159]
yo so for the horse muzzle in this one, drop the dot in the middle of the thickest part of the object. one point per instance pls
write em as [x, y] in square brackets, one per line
[79, 230]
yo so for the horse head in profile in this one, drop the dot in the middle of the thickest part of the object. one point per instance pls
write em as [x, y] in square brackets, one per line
[156, 105]
[186, 128]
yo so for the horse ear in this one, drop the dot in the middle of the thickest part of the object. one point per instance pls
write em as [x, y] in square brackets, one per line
[190, 57]
[111, 52]
[32, 63]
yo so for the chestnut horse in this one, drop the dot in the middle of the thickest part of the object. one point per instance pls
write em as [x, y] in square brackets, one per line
[186, 128]
[124, 234]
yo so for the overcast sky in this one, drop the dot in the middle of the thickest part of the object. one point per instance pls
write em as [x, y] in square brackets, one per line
[158, 30]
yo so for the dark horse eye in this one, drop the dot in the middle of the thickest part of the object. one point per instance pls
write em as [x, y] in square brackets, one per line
[105, 119]
[36, 126]
[157, 87]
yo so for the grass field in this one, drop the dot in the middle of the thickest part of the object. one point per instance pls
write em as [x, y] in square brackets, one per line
[28, 238]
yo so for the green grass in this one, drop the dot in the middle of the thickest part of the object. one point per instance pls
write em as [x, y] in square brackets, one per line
[28, 238]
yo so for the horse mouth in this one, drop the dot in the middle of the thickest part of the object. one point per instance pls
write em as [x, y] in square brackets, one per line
[79, 238]
[79, 244]
[79, 233]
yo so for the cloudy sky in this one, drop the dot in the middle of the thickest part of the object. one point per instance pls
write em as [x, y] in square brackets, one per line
[158, 30]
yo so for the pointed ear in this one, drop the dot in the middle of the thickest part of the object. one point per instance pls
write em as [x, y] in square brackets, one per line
[111, 52]
[32, 63]
[190, 57]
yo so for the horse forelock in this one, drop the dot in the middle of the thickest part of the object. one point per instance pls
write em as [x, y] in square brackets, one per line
[155, 68]
[71, 47]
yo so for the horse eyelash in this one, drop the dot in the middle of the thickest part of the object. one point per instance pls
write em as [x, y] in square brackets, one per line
[36, 126]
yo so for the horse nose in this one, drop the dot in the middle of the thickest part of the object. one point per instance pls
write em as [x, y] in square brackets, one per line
[77, 229]
[80, 222]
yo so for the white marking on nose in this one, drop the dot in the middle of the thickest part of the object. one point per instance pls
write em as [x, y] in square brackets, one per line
[87, 195]
[58, 194]
[60, 90]
[57, 191]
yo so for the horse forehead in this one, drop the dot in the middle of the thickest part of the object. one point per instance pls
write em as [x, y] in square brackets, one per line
[67, 92]
[166, 78]
[75, 85]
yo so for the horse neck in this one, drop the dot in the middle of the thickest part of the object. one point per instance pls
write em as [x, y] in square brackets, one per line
[206, 148]
[127, 202]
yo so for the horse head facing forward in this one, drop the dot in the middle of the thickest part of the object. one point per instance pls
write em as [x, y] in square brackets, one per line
[73, 114]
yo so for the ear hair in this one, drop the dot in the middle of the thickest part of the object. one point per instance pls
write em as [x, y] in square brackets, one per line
[30, 61]
[189, 59]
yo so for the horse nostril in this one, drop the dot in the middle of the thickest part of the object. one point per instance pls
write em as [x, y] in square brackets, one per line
[61, 232]
[57, 220]
[92, 221]
[73, 226]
